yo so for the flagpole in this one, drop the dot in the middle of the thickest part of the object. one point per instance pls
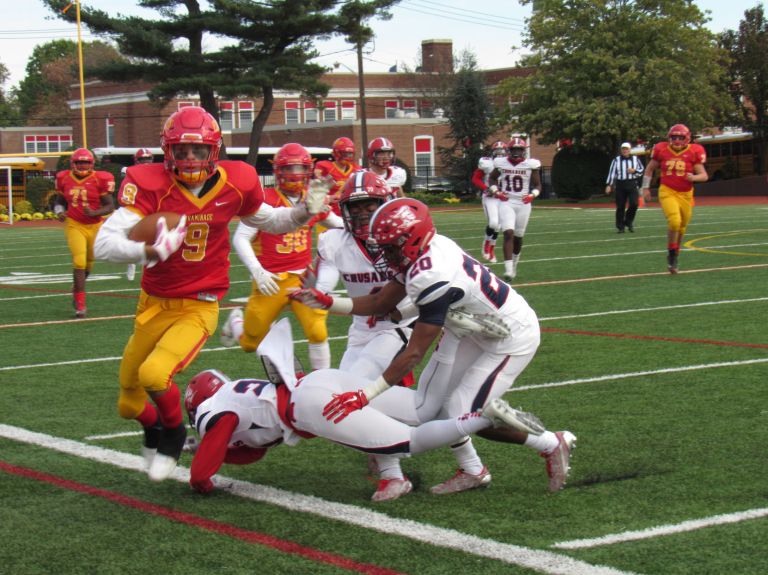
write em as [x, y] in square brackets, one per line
[80, 66]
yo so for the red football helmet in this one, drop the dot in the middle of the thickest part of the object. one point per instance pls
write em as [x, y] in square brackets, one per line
[381, 153]
[82, 162]
[293, 168]
[362, 187]
[143, 156]
[498, 149]
[516, 149]
[402, 229]
[191, 142]
[343, 150]
[201, 387]
[679, 136]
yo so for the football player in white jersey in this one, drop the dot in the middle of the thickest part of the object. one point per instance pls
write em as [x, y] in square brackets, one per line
[344, 254]
[467, 370]
[238, 421]
[491, 198]
[381, 161]
[519, 183]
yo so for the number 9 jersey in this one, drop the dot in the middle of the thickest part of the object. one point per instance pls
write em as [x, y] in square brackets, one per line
[445, 268]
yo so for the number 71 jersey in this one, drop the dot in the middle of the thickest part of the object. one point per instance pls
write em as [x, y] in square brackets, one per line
[445, 268]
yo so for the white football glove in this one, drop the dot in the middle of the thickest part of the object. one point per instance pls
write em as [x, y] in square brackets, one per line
[463, 323]
[265, 281]
[168, 241]
[317, 196]
[491, 191]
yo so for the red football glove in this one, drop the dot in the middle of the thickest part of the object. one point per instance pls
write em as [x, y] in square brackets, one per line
[501, 196]
[528, 198]
[312, 297]
[343, 404]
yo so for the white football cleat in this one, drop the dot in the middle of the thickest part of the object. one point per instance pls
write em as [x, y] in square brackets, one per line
[162, 467]
[227, 335]
[463, 481]
[148, 453]
[130, 272]
[390, 489]
[502, 414]
[559, 460]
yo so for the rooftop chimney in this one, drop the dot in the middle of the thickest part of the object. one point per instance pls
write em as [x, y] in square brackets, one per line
[437, 56]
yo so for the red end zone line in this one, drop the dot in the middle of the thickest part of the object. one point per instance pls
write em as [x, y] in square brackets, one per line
[656, 338]
[202, 523]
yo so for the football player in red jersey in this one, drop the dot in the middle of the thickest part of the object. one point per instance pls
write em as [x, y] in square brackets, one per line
[186, 268]
[491, 198]
[381, 161]
[682, 164]
[84, 197]
[339, 170]
[277, 263]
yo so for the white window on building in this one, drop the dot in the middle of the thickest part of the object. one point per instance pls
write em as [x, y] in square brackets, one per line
[410, 107]
[390, 108]
[110, 132]
[47, 143]
[245, 115]
[348, 110]
[226, 116]
[424, 156]
[329, 111]
[292, 112]
[427, 109]
[311, 113]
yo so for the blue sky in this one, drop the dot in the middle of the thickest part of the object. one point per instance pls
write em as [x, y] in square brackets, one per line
[489, 32]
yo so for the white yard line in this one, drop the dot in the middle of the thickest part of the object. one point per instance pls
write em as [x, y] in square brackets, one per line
[663, 530]
[614, 376]
[539, 560]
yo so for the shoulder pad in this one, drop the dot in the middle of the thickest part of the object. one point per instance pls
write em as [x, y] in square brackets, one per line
[398, 176]
[534, 164]
[485, 164]
[238, 172]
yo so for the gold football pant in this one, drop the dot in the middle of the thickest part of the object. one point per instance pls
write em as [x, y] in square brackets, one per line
[262, 310]
[80, 238]
[168, 334]
[678, 208]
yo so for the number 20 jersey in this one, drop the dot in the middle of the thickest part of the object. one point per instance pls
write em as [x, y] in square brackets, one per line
[444, 266]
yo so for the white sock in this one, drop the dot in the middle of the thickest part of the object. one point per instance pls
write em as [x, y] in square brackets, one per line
[320, 355]
[389, 467]
[467, 458]
[509, 267]
[543, 443]
[237, 329]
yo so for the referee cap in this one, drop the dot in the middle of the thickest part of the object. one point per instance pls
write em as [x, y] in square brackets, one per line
[626, 145]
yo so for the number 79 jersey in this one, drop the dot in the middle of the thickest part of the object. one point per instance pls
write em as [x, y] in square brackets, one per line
[445, 267]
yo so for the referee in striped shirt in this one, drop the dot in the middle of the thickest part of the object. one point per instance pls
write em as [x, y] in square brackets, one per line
[623, 177]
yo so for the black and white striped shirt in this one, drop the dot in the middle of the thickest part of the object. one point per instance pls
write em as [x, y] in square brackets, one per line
[620, 169]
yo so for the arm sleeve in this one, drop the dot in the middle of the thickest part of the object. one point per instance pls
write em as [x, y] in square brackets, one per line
[611, 173]
[112, 243]
[333, 221]
[241, 240]
[478, 179]
[211, 452]
[327, 275]
[278, 220]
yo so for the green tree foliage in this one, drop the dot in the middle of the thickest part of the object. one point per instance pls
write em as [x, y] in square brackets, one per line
[270, 48]
[604, 72]
[748, 47]
[578, 174]
[9, 115]
[51, 71]
[468, 108]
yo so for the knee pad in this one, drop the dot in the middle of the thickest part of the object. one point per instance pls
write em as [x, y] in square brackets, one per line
[130, 404]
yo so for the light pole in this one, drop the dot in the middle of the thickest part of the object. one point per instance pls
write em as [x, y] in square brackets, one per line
[361, 91]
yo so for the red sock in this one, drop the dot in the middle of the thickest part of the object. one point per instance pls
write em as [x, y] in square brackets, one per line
[169, 406]
[674, 247]
[148, 417]
[79, 299]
